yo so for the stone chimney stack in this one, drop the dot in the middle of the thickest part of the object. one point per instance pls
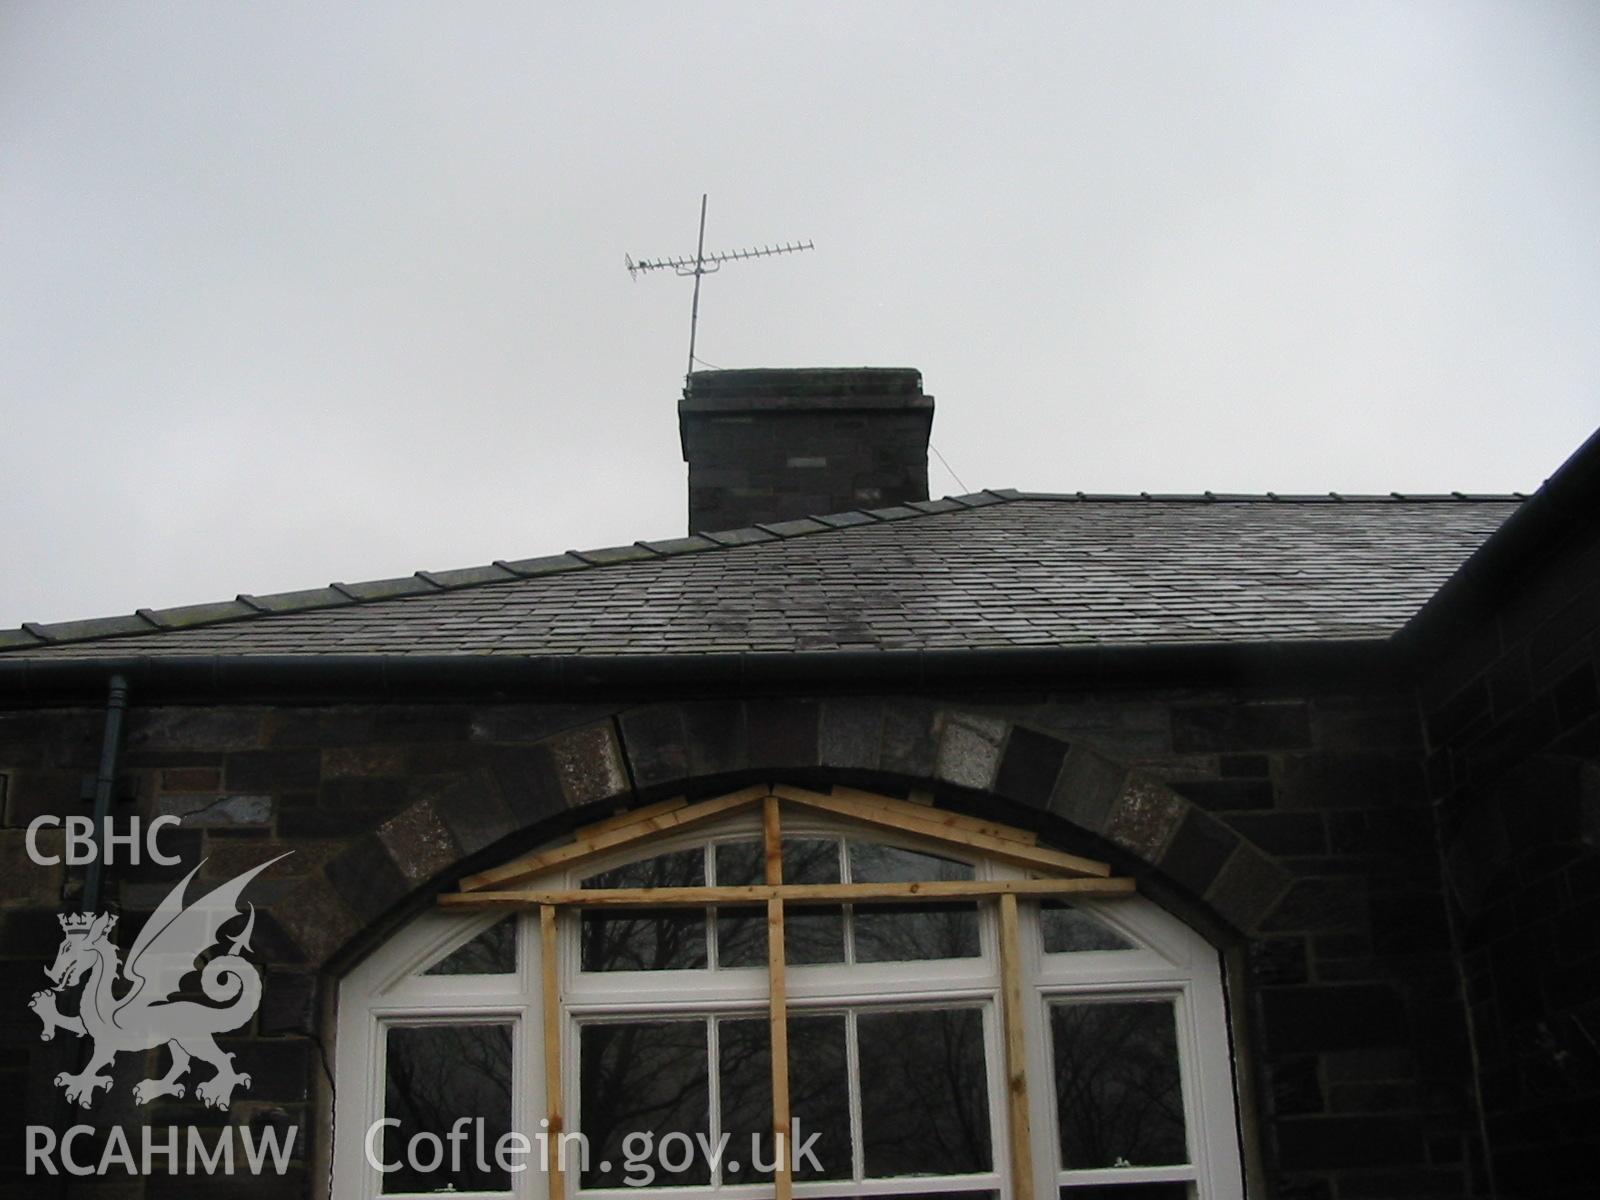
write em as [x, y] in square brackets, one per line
[772, 445]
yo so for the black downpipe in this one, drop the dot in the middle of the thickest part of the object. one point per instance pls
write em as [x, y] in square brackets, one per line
[105, 786]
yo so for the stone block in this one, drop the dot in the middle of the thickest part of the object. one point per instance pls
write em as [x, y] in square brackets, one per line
[1348, 1142]
[526, 780]
[655, 743]
[26, 881]
[1226, 795]
[715, 737]
[279, 1068]
[30, 932]
[1232, 727]
[370, 761]
[849, 732]
[1031, 767]
[210, 811]
[472, 809]
[1318, 1019]
[969, 750]
[193, 729]
[421, 723]
[191, 779]
[315, 919]
[1347, 780]
[272, 770]
[1146, 814]
[1246, 888]
[1277, 962]
[1086, 789]
[910, 738]
[340, 725]
[1195, 855]
[1282, 834]
[31, 794]
[1295, 1087]
[419, 842]
[588, 764]
[532, 722]
[367, 879]
[781, 733]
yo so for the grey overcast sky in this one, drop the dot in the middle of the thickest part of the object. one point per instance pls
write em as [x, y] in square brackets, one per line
[292, 293]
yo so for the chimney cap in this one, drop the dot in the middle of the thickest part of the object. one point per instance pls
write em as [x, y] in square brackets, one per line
[771, 389]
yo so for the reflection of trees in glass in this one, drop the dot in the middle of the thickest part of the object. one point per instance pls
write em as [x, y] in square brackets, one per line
[492, 952]
[1066, 929]
[744, 1074]
[642, 939]
[642, 1076]
[813, 933]
[1118, 1092]
[924, 1092]
[910, 932]
[819, 1093]
[434, 1075]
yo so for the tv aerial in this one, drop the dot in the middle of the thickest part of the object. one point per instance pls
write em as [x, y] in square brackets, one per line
[703, 264]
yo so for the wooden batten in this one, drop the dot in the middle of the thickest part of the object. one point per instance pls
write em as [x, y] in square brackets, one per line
[873, 811]
[924, 809]
[614, 838]
[550, 978]
[1011, 1013]
[632, 816]
[795, 893]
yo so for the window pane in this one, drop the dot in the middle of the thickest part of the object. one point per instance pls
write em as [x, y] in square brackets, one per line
[1127, 1191]
[642, 939]
[812, 933]
[924, 1092]
[433, 1075]
[643, 1077]
[1066, 929]
[744, 1080]
[819, 1095]
[741, 932]
[492, 952]
[907, 933]
[1118, 1096]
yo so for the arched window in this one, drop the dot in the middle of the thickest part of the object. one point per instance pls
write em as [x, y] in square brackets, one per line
[931, 1005]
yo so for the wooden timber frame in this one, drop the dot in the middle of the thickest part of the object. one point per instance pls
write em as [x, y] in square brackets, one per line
[520, 884]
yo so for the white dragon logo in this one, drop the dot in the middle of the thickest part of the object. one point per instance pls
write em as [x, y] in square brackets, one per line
[143, 1012]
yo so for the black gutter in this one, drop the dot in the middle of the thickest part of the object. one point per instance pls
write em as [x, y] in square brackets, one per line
[1567, 505]
[322, 677]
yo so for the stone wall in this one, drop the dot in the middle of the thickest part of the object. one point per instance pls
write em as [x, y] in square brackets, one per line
[1293, 829]
[1512, 714]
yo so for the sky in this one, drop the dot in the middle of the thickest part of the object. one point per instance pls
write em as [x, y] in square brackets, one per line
[294, 293]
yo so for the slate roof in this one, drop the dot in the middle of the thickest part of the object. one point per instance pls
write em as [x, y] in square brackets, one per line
[992, 569]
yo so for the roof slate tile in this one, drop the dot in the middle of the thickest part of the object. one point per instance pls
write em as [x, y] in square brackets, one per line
[981, 570]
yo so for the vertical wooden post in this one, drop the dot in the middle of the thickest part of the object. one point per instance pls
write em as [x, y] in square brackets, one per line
[778, 1006]
[550, 979]
[1016, 1051]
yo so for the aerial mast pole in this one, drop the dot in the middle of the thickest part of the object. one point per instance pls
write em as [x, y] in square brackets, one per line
[699, 270]
[703, 264]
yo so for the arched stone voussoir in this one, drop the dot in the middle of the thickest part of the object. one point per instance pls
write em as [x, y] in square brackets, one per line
[918, 743]
[512, 795]
[520, 796]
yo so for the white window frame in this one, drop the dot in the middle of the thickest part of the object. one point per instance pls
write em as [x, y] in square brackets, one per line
[1171, 962]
